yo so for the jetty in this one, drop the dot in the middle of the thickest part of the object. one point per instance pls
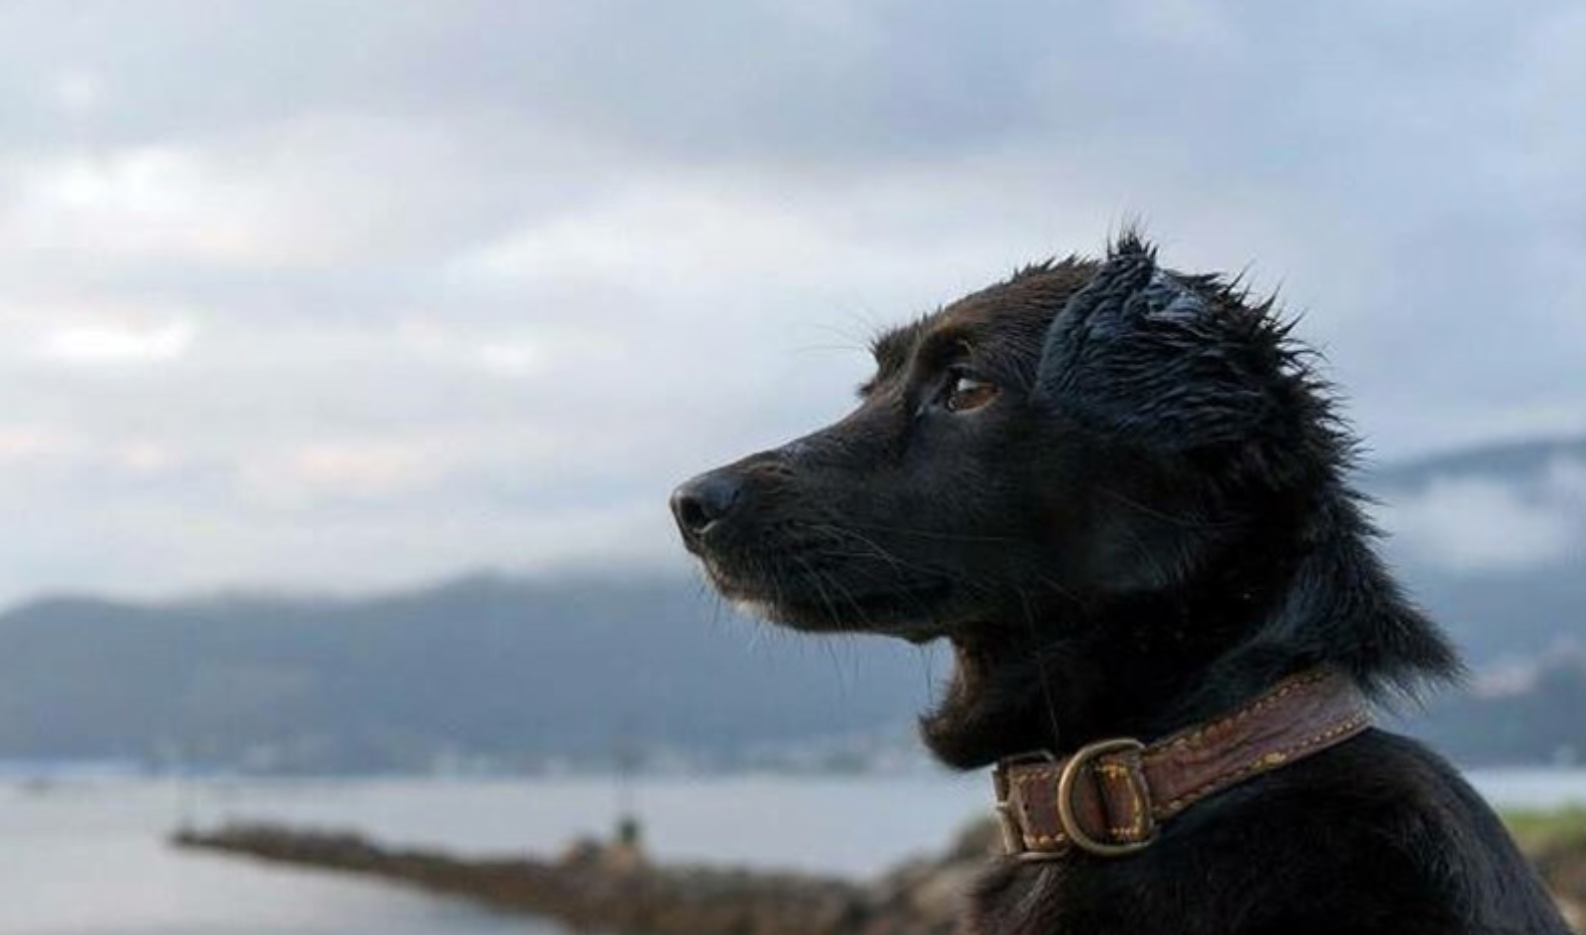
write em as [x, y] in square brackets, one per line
[613, 887]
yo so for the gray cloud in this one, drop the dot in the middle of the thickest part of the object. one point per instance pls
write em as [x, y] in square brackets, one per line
[348, 294]
[1484, 523]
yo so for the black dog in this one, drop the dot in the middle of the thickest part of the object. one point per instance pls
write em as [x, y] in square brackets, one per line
[1120, 492]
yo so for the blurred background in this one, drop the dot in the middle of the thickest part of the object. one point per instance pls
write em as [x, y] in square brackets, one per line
[349, 350]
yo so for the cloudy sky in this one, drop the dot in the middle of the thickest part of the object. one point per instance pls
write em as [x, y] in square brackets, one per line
[351, 294]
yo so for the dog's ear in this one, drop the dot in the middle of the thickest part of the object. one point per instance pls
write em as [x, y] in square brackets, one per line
[1162, 361]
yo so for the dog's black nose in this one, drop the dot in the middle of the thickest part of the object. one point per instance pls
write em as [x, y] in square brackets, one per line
[703, 501]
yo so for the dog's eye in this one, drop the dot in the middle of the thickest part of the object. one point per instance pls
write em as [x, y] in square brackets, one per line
[965, 392]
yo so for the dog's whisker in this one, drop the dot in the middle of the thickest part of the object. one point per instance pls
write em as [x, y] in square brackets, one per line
[853, 602]
[1183, 522]
[837, 666]
[878, 551]
[818, 580]
[934, 534]
[876, 548]
[1048, 697]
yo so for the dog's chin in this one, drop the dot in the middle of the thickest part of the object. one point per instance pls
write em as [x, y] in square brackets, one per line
[818, 617]
[910, 612]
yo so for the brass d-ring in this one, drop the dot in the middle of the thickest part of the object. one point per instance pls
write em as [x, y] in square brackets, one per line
[1065, 798]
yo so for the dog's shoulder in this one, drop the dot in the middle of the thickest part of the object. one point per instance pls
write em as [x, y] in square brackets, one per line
[1378, 835]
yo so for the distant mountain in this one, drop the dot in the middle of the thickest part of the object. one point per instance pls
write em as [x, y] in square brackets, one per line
[1536, 718]
[516, 670]
[523, 672]
[1508, 459]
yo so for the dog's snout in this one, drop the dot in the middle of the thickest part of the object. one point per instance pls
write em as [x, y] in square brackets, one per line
[705, 501]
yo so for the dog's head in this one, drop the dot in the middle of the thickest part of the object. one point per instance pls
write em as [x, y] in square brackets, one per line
[1084, 437]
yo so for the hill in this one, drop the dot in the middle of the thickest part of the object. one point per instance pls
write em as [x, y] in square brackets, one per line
[518, 671]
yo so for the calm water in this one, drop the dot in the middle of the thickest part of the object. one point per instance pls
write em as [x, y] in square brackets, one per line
[86, 858]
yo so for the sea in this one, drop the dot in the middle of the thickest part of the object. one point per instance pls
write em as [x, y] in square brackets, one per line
[87, 855]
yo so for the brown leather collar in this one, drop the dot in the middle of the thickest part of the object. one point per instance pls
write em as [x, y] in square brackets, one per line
[1110, 797]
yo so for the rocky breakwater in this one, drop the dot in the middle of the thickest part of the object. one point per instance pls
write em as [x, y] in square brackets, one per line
[599, 887]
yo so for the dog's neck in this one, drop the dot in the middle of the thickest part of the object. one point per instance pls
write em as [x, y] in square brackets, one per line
[1148, 666]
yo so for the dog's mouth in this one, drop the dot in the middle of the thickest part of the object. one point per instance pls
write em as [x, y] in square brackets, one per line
[803, 595]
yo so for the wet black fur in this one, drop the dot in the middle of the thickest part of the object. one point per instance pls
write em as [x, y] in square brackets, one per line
[1149, 524]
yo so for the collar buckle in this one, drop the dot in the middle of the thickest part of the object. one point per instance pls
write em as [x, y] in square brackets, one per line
[1072, 768]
